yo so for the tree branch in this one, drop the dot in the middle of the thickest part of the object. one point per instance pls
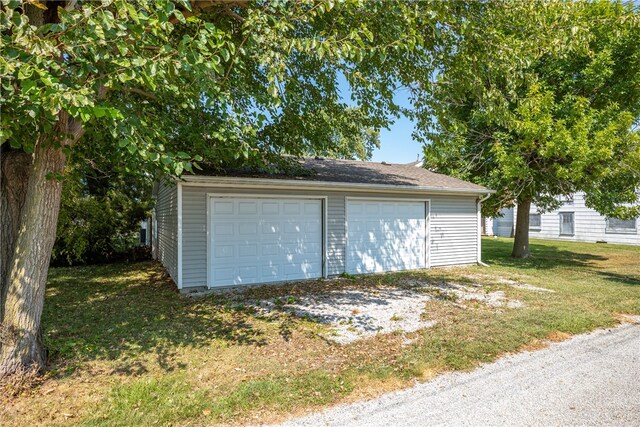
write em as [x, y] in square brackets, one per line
[141, 92]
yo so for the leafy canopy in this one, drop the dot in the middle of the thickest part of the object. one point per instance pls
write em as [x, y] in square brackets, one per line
[167, 85]
[537, 101]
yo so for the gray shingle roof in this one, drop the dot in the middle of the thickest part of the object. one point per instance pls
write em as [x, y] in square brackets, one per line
[353, 171]
[359, 172]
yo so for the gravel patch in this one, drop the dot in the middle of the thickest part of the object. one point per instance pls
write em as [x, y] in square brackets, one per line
[355, 314]
[588, 380]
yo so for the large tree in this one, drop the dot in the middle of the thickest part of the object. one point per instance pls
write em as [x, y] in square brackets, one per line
[165, 83]
[538, 101]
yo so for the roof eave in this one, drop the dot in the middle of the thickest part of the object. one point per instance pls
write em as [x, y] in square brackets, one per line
[243, 182]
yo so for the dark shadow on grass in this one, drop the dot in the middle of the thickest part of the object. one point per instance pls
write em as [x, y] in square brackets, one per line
[621, 278]
[123, 311]
[498, 252]
[549, 255]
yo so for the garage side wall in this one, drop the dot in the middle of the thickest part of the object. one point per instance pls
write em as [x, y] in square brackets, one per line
[454, 230]
[167, 232]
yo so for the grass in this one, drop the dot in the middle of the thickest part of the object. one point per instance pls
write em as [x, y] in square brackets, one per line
[126, 349]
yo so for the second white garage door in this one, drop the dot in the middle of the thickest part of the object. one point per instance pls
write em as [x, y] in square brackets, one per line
[255, 240]
[386, 235]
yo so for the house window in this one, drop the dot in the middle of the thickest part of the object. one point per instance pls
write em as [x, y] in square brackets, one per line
[567, 225]
[615, 225]
[535, 221]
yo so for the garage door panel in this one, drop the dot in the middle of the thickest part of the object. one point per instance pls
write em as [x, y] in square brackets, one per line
[265, 240]
[385, 236]
[270, 208]
[270, 250]
[247, 250]
[223, 251]
[270, 227]
[223, 208]
[312, 209]
[223, 229]
[247, 208]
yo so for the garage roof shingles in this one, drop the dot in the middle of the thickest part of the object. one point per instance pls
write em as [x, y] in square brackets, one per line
[359, 172]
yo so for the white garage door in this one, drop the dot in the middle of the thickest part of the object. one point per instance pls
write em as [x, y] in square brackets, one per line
[386, 236]
[257, 240]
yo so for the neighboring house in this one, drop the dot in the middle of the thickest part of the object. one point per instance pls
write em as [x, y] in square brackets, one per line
[573, 221]
[345, 216]
[502, 226]
[144, 236]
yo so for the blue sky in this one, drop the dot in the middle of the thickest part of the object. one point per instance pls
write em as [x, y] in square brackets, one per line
[396, 144]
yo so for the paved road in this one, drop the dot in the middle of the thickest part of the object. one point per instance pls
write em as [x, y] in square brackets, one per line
[591, 379]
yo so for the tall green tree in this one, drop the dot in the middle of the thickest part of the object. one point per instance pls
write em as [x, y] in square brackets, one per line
[101, 208]
[537, 101]
[171, 82]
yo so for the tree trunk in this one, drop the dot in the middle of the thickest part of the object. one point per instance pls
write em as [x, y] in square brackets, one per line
[521, 240]
[26, 278]
[15, 166]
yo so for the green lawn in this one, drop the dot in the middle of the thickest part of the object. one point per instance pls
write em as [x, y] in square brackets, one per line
[126, 349]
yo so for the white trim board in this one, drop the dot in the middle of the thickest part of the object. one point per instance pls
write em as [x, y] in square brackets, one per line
[179, 197]
[288, 184]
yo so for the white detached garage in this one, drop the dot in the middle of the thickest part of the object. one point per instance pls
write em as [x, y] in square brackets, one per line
[343, 216]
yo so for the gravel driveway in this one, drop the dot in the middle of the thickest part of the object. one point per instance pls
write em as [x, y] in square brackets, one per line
[591, 379]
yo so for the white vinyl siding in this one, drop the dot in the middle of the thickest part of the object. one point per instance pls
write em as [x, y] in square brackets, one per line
[453, 233]
[453, 230]
[194, 237]
[503, 225]
[166, 211]
[336, 235]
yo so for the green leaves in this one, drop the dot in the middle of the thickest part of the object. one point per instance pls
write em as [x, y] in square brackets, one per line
[536, 102]
[227, 86]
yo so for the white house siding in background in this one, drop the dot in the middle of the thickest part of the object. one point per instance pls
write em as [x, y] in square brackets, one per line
[502, 226]
[166, 235]
[487, 226]
[588, 224]
[453, 226]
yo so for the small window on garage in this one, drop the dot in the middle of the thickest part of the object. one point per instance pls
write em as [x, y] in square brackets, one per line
[535, 221]
[567, 224]
[621, 226]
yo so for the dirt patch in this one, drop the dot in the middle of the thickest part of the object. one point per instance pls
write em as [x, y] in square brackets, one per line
[558, 336]
[518, 284]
